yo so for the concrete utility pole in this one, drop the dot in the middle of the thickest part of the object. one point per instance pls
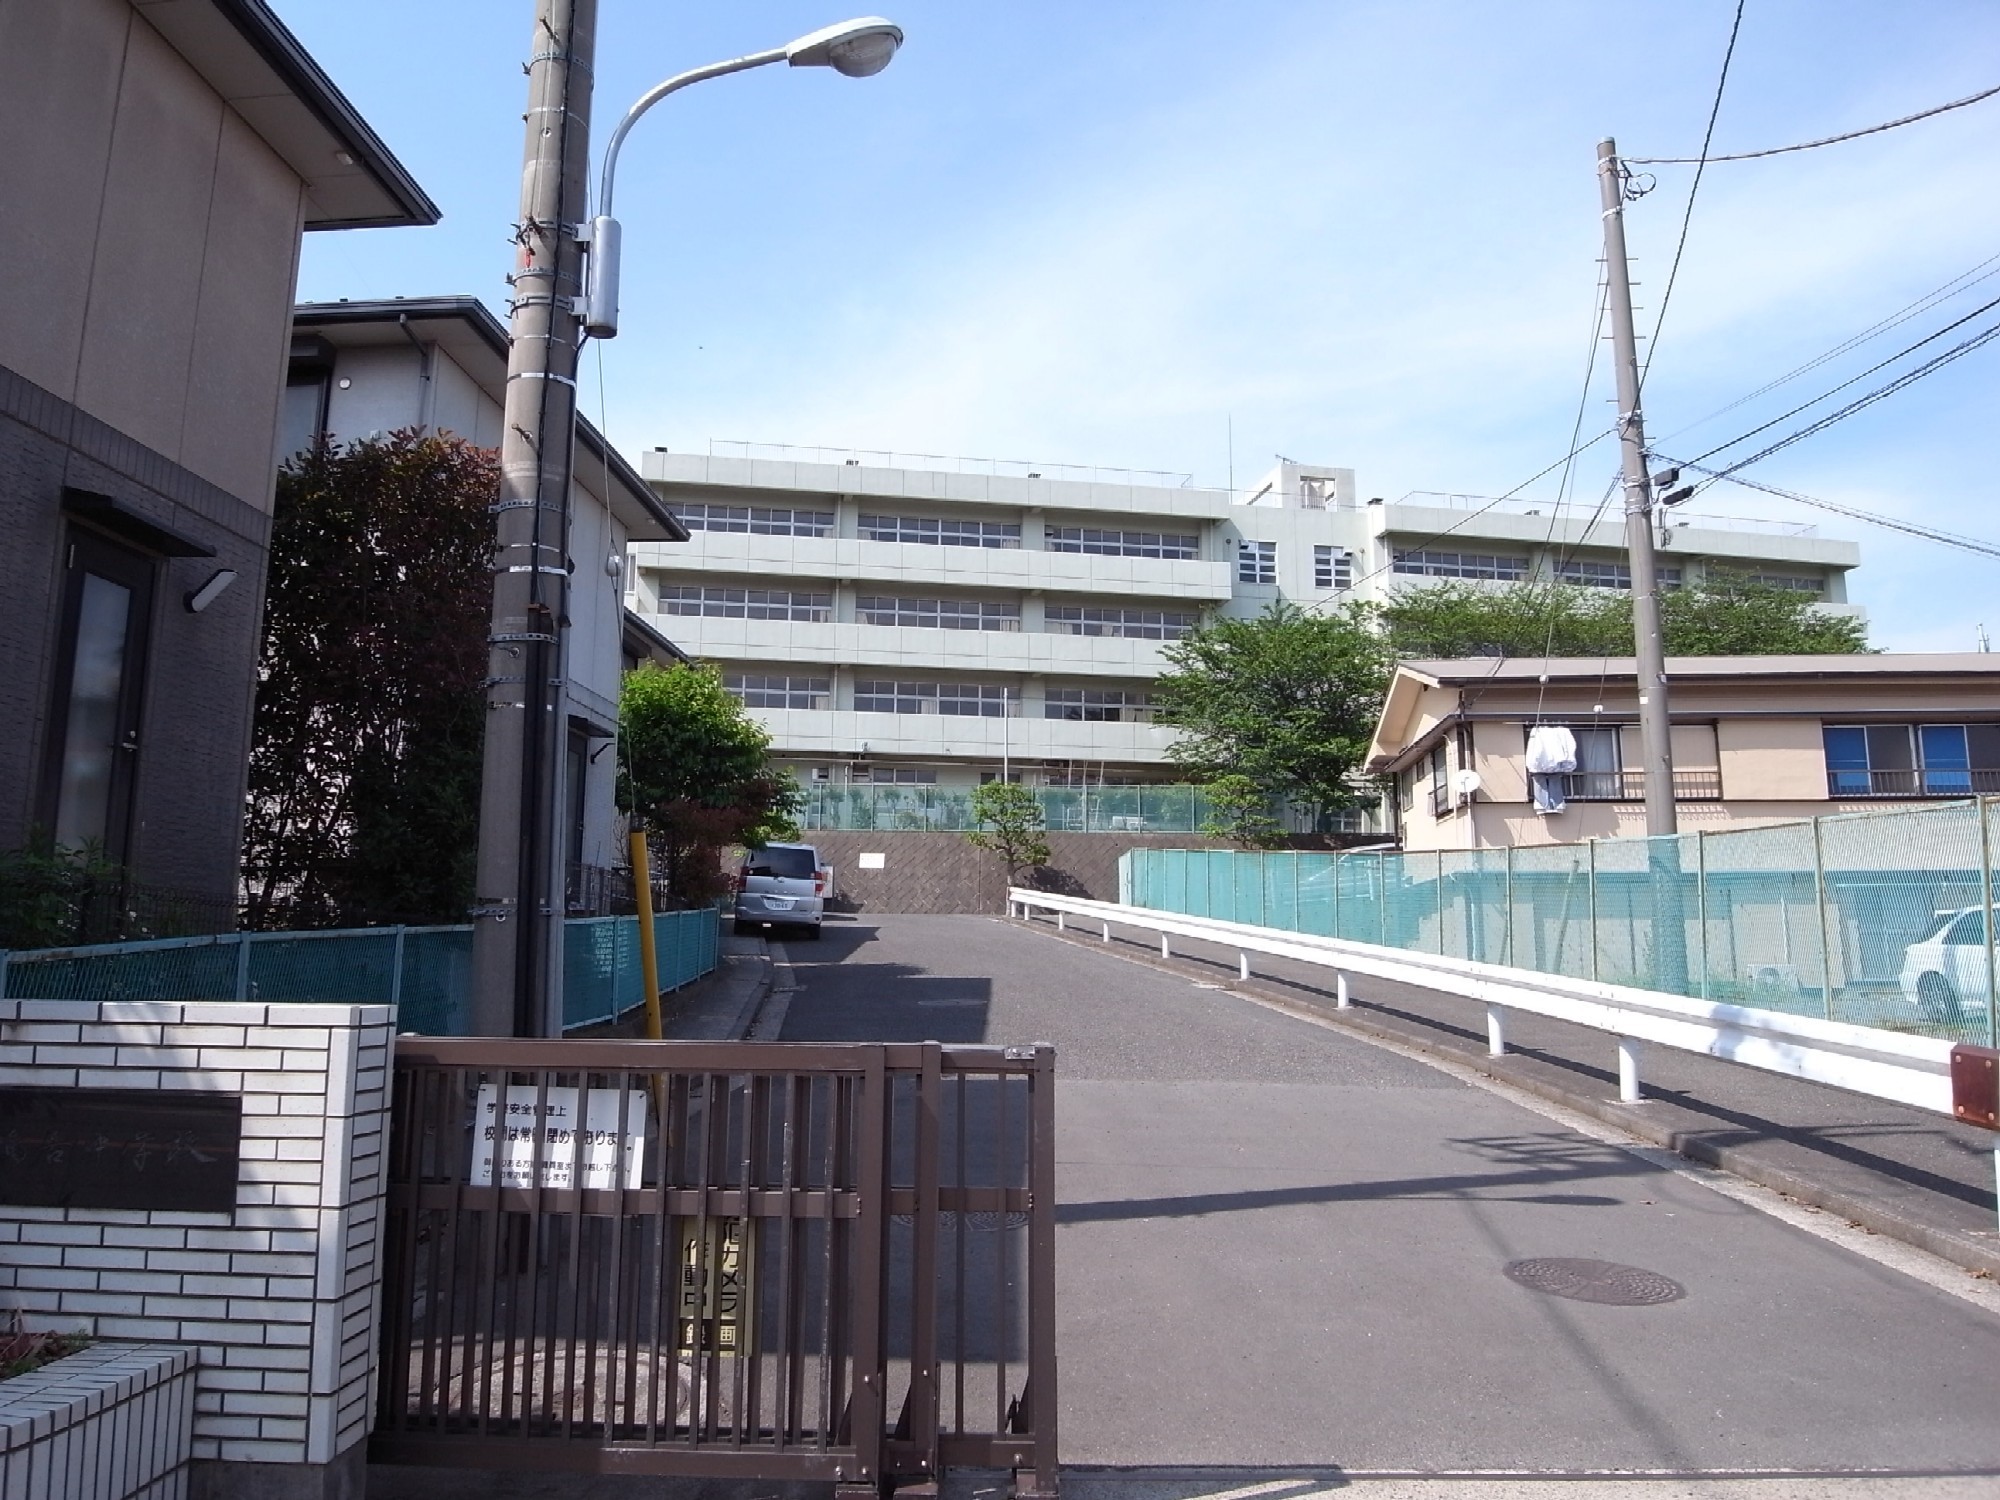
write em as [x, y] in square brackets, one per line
[1655, 720]
[518, 910]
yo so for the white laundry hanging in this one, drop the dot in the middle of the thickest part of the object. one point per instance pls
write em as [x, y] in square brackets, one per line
[1551, 754]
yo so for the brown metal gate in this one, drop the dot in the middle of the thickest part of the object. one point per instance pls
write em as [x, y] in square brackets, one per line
[768, 1260]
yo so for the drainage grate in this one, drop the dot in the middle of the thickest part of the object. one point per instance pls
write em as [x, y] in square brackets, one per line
[1602, 1281]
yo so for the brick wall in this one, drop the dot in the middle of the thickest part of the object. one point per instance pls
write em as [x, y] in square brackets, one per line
[279, 1298]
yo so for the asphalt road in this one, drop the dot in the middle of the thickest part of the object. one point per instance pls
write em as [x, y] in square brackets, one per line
[1282, 1246]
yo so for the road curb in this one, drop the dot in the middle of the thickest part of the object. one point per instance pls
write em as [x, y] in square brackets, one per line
[1965, 1251]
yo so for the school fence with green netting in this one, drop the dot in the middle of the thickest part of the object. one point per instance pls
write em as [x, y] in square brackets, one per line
[1168, 807]
[1817, 917]
[426, 971]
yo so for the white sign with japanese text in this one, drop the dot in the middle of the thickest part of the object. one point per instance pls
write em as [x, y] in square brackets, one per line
[531, 1119]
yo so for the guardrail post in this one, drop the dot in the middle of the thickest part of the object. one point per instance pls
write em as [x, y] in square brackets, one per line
[1107, 931]
[1166, 949]
[1341, 1001]
[1628, 1070]
[1496, 1030]
[1062, 923]
[1242, 966]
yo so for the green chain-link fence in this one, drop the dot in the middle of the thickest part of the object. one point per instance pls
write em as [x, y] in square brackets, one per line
[426, 971]
[1874, 918]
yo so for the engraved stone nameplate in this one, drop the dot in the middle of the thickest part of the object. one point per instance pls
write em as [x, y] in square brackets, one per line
[119, 1148]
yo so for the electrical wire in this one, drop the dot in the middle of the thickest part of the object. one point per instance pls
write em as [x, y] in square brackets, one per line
[1852, 380]
[1927, 533]
[1831, 140]
[1687, 215]
[1923, 304]
[1907, 378]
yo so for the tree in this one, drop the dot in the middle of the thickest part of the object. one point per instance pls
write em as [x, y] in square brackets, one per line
[1287, 701]
[1741, 618]
[1010, 820]
[1724, 617]
[1239, 810]
[692, 763]
[365, 752]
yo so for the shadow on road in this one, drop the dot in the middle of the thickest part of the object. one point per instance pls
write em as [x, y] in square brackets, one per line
[1532, 1161]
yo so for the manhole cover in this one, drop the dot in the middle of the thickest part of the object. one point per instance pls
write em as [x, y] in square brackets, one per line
[1595, 1281]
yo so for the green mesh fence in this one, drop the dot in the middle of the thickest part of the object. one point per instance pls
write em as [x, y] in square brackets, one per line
[425, 971]
[1166, 808]
[1871, 918]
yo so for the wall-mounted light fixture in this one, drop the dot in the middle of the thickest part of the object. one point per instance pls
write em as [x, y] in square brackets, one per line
[200, 599]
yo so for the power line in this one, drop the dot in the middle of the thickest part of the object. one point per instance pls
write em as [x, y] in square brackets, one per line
[1831, 140]
[1908, 377]
[1852, 380]
[1959, 283]
[1687, 216]
[1927, 533]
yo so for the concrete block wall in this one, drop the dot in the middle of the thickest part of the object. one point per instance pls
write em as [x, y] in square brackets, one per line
[110, 1423]
[280, 1299]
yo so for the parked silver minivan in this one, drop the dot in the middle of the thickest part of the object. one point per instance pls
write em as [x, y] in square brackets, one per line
[782, 885]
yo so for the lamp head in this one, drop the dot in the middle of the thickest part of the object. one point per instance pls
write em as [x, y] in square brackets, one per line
[858, 49]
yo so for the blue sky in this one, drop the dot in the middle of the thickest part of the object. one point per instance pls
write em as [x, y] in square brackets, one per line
[1106, 231]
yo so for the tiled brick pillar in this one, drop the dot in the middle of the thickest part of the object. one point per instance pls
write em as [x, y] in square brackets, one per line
[280, 1298]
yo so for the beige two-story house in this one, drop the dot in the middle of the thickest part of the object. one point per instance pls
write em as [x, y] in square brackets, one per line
[166, 157]
[1756, 739]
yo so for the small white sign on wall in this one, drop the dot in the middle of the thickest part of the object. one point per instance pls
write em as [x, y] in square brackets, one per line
[869, 862]
[507, 1132]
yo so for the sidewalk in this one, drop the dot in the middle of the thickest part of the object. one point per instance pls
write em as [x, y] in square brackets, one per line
[1905, 1173]
[722, 1006]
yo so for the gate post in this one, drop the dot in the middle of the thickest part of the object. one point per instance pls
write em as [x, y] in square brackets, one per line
[871, 1374]
[1040, 1395]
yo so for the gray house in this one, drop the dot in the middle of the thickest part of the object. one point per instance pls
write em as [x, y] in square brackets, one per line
[179, 150]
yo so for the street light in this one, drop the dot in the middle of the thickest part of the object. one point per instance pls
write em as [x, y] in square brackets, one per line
[856, 49]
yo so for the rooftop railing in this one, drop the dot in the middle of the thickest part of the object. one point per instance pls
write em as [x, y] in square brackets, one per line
[1522, 505]
[884, 458]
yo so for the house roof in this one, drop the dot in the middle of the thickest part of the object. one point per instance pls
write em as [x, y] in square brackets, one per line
[1696, 668]
[466, 329]
[246, 55]
[642, 640]
[1398, 739]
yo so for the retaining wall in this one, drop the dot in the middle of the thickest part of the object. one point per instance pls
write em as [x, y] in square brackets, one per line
[941, 872]
[110, 1423]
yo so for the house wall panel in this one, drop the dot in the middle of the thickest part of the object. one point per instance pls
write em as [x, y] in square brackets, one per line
[1772, 758]
[137, 361]
[56, 92]
[243, 322]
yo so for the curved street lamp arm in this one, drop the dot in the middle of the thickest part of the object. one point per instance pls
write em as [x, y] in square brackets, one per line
[672, 85]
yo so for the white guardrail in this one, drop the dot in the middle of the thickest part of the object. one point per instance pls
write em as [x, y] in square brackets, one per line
[1914, 1070]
